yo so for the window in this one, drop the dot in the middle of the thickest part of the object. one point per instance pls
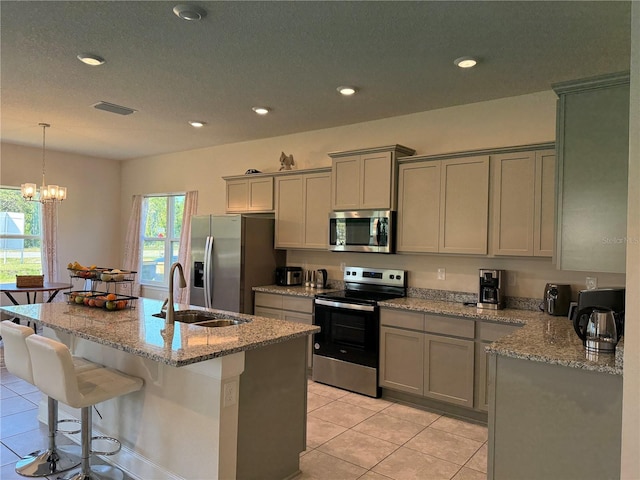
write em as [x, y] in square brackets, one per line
[20, 236]
[161, 237]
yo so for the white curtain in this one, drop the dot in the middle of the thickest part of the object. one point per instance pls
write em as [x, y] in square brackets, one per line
[184, 252]
[49, 251]
[133, 241]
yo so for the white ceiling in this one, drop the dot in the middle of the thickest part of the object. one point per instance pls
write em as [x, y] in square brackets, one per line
[290, 56]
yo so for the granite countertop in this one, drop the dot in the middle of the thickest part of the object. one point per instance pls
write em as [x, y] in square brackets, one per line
[136, 331]
[297, 291]
[542, 338]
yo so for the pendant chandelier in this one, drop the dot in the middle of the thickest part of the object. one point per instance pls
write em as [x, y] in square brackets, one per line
[48, 193]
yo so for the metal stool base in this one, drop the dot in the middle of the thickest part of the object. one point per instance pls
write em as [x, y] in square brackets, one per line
[98, 472]
[49, 462]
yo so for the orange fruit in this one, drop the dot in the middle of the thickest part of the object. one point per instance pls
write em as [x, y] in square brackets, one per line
[111, 297]
[120, 304]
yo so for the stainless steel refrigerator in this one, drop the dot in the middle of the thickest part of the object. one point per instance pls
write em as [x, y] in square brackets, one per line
[231, 254]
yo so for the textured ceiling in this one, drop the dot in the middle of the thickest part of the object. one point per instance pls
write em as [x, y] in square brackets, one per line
[290, 56]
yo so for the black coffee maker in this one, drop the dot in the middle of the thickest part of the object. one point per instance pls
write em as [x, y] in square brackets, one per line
[490, 291]
[599, 299]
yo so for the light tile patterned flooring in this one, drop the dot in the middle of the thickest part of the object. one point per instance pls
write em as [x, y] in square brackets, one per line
[349, 436]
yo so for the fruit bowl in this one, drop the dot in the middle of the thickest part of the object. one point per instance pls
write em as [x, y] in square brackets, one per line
[102, 300]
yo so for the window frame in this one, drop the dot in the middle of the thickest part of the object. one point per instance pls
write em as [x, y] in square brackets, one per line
[39, 237]
[169, 239]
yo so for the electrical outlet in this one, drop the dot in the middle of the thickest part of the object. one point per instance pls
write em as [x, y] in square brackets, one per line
[442, 274]
[342, 266]
[230, 393]
[512, 279]
[591, 282]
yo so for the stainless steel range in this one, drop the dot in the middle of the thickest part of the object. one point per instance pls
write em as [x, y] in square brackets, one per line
[346, 351]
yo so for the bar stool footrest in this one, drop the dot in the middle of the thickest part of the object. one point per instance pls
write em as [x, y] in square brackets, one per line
[68, 432]
[106, 439]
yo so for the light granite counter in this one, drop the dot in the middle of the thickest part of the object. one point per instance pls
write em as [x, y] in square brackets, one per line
[137, 331]
[542, 338]
[296, 291]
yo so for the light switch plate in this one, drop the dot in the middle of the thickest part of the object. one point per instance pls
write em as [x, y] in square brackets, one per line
[230, 391]
[442, 274]
[592, 283]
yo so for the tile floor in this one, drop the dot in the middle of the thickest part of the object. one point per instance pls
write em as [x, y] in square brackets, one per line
[349, 436]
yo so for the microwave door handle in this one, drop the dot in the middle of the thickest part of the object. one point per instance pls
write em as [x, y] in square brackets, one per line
[376, 224]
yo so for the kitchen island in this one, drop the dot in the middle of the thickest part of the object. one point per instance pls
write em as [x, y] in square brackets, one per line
[218, 403]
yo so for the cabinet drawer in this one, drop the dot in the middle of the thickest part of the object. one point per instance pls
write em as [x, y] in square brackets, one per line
[298, 304]
[397, 318]
[456, 327]
[268, 312]
[305, 318]
[490, 332]
[268, 300]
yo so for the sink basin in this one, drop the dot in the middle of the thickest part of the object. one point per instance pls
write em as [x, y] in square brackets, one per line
[203, 318]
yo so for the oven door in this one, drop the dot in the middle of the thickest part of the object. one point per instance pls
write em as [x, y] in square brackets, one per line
[350, 332]
[361, 231]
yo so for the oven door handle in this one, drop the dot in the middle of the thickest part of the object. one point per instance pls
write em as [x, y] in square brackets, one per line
[347, 306]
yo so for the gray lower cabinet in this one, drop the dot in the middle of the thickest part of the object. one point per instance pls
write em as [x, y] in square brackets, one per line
[401, 360]
[436, 356]
[448, 369]
[486, 333]
[286, 307]
[422, 354]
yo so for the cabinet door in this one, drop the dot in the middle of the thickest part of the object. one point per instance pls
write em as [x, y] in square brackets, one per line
[237, 191]
[345, 184]
[377, 180]
[593, 149]
[419, 207]
[307, 319]
[317, 205]
[514, 177]
[545, 209]
[401, 360]
[260, 194]
[289, 211]
[482, 377]
[448, 369]
[464, 205]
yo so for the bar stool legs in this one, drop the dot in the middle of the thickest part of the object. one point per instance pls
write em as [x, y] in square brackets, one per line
[54, 459]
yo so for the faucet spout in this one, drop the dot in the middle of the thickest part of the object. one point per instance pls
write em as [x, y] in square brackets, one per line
[169, 319]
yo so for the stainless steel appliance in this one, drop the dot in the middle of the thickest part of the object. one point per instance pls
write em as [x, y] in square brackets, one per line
[346, 351]
[231, 254]
[557, 299]
[362, 231]
[602, 331]
[490, 290]
[286, 276]
[601, 300]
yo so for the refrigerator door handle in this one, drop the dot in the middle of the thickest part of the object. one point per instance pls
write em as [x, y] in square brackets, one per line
[208, 272]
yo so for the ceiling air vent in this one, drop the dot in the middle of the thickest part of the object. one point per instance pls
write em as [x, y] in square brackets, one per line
[110, 107]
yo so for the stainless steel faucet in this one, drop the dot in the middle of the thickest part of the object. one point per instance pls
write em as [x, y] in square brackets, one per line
[183, 283]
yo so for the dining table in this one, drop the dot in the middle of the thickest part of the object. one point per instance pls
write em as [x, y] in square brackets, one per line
[53, 288]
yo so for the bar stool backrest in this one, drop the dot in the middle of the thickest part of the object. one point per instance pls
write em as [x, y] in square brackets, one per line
[16, 355]
[53, 370]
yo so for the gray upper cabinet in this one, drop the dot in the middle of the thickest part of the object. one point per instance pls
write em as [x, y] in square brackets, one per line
[366, 179]
[523, 203]
[593, 159]
[249, 194]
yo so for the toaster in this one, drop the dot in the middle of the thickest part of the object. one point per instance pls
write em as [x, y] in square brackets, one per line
[286, 276]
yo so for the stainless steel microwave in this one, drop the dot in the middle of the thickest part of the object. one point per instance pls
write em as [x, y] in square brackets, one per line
[362, 231]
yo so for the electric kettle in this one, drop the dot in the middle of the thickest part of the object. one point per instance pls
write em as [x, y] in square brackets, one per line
[601, 331]
[321, 278]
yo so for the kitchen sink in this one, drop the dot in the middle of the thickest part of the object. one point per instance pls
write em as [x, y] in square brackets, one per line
[203, 318]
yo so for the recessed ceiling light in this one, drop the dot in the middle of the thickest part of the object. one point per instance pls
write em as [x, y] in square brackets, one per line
[90, 59]
[196, 124]
[189, 12]
[347, 91]
[465, 62]
[261, 110]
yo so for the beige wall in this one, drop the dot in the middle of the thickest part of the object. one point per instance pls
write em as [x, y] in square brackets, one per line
[630, 468]
[89, 220]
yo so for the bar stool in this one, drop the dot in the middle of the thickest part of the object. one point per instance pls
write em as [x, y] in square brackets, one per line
[55, 375]
[54, 459]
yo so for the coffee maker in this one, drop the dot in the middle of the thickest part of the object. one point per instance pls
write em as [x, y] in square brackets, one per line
[490, 291]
